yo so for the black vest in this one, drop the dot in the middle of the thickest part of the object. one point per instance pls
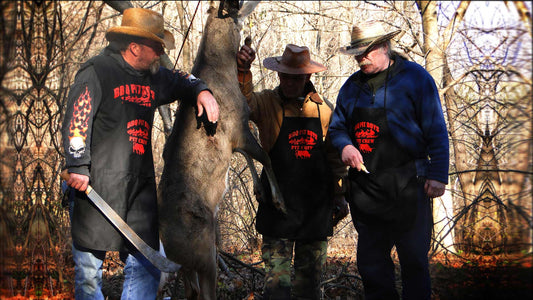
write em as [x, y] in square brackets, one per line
[305, 179]
[387, 195]
[122, 170]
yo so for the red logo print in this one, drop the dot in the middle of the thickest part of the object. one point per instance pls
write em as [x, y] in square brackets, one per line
[366, 134]
[135, 93]
[301, 142]
[139, 132]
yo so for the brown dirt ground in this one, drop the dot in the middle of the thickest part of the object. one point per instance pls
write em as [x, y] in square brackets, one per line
[479, 278]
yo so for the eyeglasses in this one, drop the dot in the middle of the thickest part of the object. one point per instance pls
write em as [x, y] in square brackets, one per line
[157, 47]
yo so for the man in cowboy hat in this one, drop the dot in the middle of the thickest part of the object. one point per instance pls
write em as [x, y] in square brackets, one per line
[388, 117]
[107, 142]
[293, 121]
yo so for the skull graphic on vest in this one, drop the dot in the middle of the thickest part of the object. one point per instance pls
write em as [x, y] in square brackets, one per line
[79, 124]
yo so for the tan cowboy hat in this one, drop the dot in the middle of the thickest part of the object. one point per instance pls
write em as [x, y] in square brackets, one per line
[145, 23]
[365, 36]
[295, 60]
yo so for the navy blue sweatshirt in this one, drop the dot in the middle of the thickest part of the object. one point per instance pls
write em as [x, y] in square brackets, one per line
[414, 114]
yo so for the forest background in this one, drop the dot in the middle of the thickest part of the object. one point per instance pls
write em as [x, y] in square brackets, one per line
[478, 52]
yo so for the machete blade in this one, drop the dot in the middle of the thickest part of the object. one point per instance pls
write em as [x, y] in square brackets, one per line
[158, 260]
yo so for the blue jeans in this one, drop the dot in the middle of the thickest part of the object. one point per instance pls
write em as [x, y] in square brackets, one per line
[141, 278]
[375, 263]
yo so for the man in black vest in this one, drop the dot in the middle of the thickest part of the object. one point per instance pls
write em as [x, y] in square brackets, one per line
[107, 141]
[293, 121]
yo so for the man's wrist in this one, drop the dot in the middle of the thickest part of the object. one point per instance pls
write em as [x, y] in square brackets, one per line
[82, 170]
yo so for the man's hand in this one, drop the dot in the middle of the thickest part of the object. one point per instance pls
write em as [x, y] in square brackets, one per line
[352, 157]
[207, 102]
[434, 188]
[341, 209]
[78, 181]
[245, 57]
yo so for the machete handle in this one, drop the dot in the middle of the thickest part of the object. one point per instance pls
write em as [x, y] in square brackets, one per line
[65, 175]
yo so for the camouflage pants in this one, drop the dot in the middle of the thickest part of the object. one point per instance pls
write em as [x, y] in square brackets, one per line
[309, 262]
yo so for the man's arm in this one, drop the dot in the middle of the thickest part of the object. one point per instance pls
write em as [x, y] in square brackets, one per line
[83, 101]
[435, 133]
[338, 132]
[245, 57]
[186, 87]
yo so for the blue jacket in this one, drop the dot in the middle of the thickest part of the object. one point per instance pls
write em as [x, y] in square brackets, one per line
[414, 115]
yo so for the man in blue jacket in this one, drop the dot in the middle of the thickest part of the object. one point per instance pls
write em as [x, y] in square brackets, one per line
[389, 128]
[107, 133]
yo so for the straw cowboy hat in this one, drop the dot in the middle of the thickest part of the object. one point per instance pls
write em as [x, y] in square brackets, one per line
[144, 23]
[295, 60]
[365, 36]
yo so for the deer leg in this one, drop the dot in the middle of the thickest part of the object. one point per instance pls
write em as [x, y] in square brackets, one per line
[190, 282]
[208, 279]
[254, 150]
[258, 188]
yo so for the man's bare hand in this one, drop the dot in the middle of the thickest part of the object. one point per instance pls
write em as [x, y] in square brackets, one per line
[352, 157]
[207, 102]
[78, 181]
[245, 57]
[434, 188]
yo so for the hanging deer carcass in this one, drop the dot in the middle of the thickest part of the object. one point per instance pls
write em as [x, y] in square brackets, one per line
[197, 156]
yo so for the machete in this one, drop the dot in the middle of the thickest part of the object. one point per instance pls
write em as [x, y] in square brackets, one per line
[158, 260]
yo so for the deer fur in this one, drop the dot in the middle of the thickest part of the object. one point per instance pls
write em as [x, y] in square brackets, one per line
[197, 156]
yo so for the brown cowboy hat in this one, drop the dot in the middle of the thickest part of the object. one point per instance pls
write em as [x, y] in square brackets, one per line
[365, 36]
[144, 23]
[295, 60]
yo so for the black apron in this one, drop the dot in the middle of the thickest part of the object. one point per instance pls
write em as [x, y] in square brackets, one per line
[299, 163]
[387, 196]
[122, 168]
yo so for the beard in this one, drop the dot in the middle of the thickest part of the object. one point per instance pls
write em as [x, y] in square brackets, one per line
[154, 66]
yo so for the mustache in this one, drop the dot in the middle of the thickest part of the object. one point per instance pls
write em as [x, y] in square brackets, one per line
[366, 63]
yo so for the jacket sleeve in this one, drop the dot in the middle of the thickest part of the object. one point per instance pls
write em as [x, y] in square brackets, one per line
[83, 101]
[178, 85]
[265, 110]
[338, 129]
[245, 83]
[247, 88]
[435, 134]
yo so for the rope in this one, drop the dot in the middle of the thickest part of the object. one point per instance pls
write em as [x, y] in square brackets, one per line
[186, 34]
